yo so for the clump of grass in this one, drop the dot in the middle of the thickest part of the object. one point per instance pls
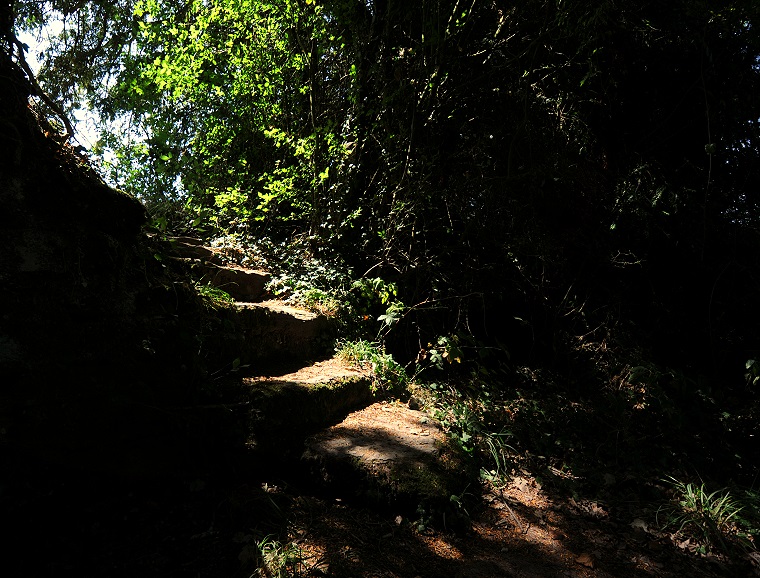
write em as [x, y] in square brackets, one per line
[277, 560]
[215, 298]
[388, 374]
[318, 300]
[712, 518]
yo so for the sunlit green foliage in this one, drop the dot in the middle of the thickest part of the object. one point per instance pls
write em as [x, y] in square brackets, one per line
[234, 82]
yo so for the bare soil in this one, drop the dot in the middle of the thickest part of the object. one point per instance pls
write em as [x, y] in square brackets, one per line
[212, 524]
[519, 530]
[382, 433]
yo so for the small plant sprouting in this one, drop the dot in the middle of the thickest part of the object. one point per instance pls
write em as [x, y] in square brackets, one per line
[277, 560]
[499, 452]
[464, 419]
[753, 372]
[711, 517]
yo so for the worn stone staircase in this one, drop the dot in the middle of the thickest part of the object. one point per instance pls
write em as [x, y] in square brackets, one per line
[289, 383]
[269, 330]
[294, 400]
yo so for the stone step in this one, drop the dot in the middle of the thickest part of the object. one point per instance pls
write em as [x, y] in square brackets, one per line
[209, 265]
[287, 405]
[190, 248]
[187, 240]
[242, 284]
[387, 453]
[275, 331]
[254, 330]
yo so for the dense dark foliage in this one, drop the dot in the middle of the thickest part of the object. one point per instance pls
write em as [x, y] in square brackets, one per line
[569, 186]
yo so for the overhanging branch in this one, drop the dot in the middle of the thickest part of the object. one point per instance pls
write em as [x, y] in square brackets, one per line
[38, 89]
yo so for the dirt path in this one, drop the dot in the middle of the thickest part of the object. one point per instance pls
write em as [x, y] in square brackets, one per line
[519, 530]
[218, 523]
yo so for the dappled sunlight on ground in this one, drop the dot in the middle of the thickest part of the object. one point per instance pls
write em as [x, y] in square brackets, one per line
[521, 530]
[401, 434]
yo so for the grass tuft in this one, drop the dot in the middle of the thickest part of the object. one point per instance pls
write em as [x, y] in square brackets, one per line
[712, 518]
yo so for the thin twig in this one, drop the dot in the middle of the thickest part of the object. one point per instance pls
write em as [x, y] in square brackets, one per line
[504, 501]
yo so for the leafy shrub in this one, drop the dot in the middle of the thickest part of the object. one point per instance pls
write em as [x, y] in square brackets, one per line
[468, 419]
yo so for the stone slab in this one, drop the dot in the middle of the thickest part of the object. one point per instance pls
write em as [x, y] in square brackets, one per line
[390, 453]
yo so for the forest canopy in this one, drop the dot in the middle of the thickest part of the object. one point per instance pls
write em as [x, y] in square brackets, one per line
[513, 162]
